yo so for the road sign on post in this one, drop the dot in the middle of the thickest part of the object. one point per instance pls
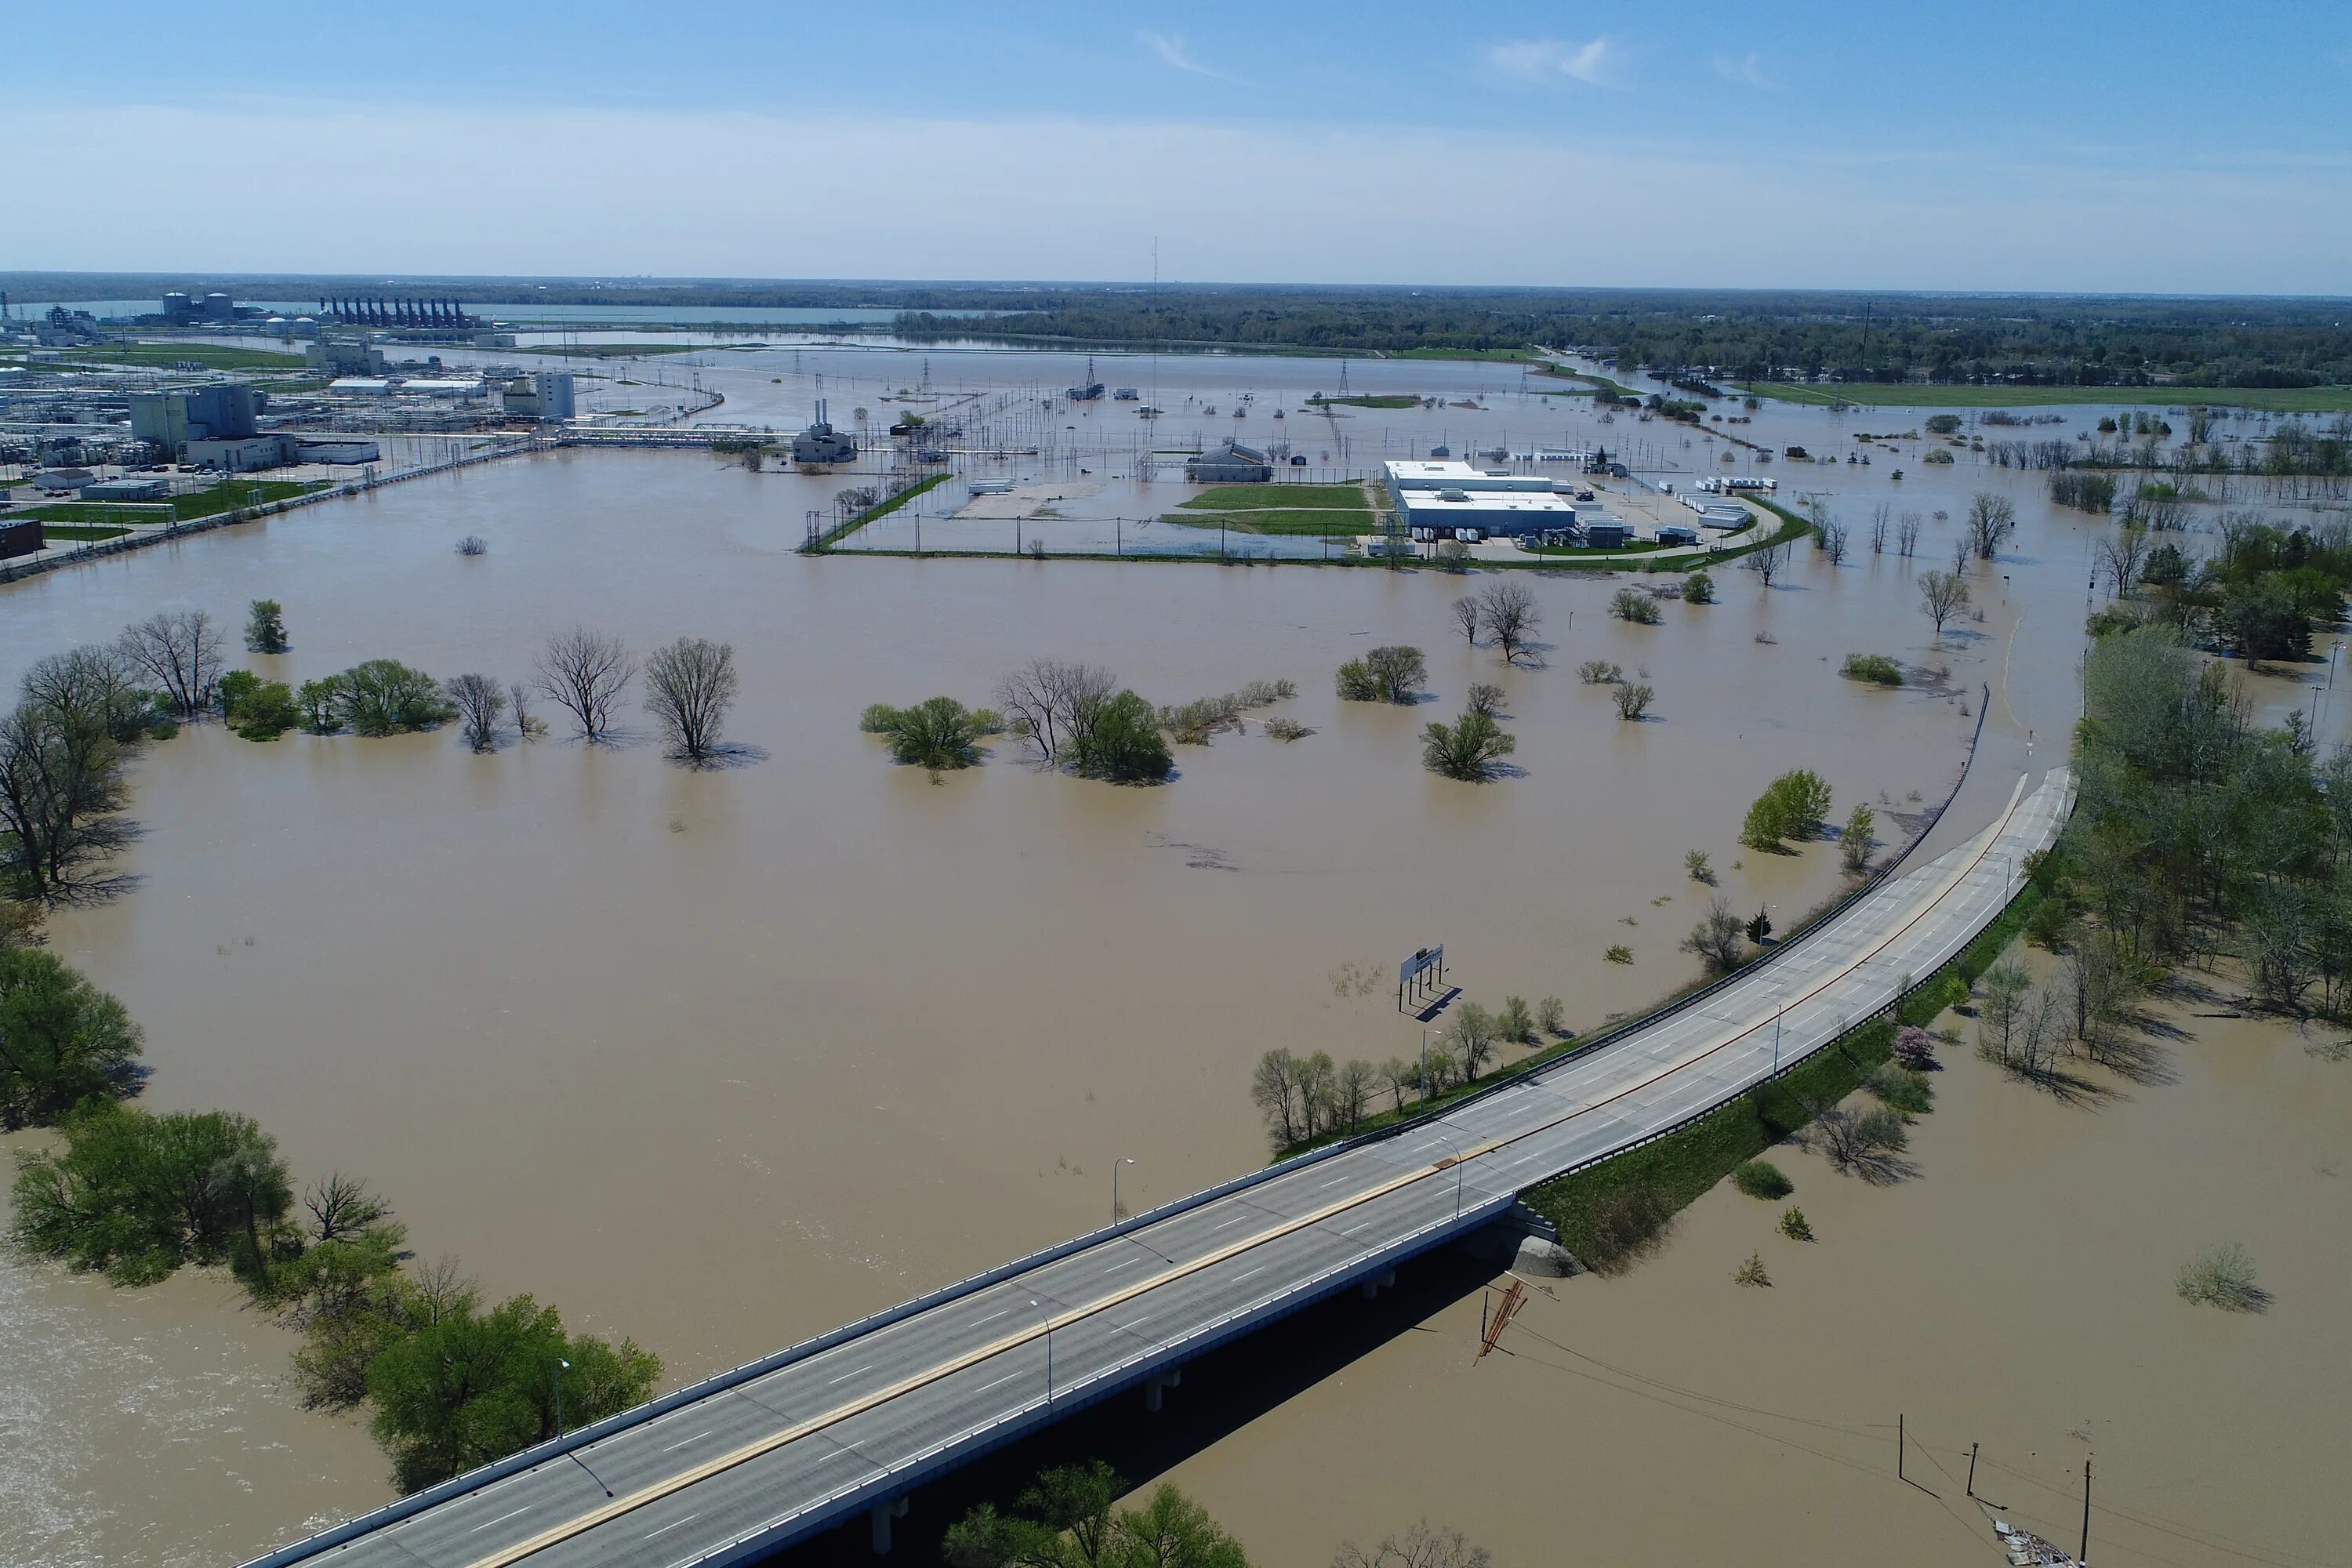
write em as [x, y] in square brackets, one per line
[1419, 976]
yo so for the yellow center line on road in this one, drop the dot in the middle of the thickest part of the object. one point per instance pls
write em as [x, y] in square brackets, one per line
[580, 1523]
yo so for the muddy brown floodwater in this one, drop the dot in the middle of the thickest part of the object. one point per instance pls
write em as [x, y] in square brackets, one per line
[719, 1060]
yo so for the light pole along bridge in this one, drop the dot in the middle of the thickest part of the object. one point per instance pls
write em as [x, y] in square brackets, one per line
[774, 1452]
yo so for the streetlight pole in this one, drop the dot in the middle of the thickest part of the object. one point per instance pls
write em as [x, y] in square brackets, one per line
[1049, 1349]
[1775, 1039]
[562, 1366]
[1114, 1187]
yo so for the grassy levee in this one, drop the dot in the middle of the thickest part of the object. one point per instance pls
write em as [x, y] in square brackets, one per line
[1336, 523]
[1894, 395]
[1675, 1170]
[1367, 400]
[825, 542]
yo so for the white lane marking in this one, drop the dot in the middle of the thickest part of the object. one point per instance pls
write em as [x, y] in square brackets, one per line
[1354, 1228]
[1116, 1267]
[666, 1529]
[1235, 1220]
[845, 1376]
[682, 1442]
[992, 1317]
[1130, 1328]
[1335, 1181]
[501, 1519]
[1008, 1377]
[1259, 1269]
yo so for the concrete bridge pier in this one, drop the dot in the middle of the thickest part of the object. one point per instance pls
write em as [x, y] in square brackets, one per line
[1376, 1283]
[883, 1513]
[1156, 1386]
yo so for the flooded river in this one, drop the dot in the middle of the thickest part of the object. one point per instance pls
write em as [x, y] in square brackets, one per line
[721, 1059]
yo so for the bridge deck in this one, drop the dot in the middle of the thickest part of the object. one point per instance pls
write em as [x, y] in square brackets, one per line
[780, 1451]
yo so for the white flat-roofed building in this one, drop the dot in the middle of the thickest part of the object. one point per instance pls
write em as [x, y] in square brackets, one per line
[359, 386]
[1417, 473]
[443, 386]
[1451, 513]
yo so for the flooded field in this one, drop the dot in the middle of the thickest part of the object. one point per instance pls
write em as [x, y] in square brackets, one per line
[721, 1059]
[2016, 1293]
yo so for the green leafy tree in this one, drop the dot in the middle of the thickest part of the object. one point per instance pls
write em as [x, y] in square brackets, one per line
[476, 1386]
[1392, 674]
[385, 697]
[1069, 1519]
[136, 1195]
[1792, 806]
[938, 733]
[1468, 749]
[62, 1041]
[1119, 739]
[1855, 842]
[2261, 620]
[1698, 588]
[322, 705]
[265, 627]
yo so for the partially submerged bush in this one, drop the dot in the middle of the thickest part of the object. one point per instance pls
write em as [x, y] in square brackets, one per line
[1698, 588]
[1762, 1179]
[1287, 728]
[1469, 749]
[1875, 668]
[1795, 1225]
[1392, 674]
[1791, 807]
[1600, 672]
[2222, 1277]
[1632, 702]
[1635, 605]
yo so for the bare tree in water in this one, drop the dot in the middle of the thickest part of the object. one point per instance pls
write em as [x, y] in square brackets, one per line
[586, 672]
[689, 686]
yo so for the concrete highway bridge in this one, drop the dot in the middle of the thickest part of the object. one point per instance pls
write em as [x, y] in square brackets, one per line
[847, 1425]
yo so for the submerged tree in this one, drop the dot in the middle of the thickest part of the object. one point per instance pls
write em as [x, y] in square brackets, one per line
[585, 673]
[481, 703]
[1468, 749]
[1506, 608]
[265, 627]
[181, 650]
[62, 1041]
[689, 687]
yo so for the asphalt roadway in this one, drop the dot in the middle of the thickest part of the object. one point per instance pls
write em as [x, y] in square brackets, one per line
[753, 1460]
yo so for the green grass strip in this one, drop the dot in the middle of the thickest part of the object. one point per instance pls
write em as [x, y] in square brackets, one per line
[833, 536]
[1679, 1167]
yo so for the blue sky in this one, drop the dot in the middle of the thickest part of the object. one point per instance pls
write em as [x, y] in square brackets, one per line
[2152, 147]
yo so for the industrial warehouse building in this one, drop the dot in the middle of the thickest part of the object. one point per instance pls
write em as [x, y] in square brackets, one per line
[1446, 500]
[1229, 463]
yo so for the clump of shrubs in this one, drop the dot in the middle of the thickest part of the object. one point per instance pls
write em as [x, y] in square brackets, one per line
[938, 733]
[255, 708]
[1874, 668]
[1393, 674]
[1600, 672]
[1762, 1179]
[1635, 605]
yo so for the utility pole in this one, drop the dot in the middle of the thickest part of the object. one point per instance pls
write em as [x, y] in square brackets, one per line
[2084, 1555]
[1972, 1470]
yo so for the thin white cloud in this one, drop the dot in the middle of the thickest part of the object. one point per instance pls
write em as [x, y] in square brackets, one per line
[1542, 60]
[1172, 52]
[1748, 71]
